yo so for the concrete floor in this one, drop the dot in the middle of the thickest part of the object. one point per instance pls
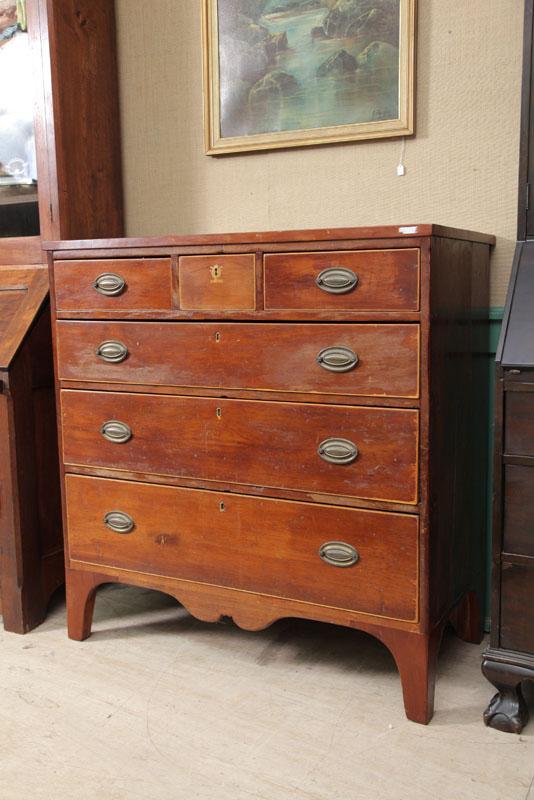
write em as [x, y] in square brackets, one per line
[158, 706]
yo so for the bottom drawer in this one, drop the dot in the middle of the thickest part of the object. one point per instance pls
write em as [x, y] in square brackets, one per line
[517, 607]
[254, 544]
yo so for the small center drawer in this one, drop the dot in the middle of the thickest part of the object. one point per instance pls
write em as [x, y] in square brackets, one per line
[217, 283]
[135, 284]
[359, 560]
[363, 280]
[368, 360]
[341, 450]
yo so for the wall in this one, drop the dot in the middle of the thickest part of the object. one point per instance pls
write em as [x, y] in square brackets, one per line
[461, 165]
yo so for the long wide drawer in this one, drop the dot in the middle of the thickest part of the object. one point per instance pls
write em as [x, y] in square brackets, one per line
[362, 280]
[342, 450]
[367, 360]
[346, 558]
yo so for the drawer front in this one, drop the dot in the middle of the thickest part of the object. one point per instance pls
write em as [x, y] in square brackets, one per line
[519, 510]
[266, 444]
[253, 544]
[519, 423]
[217, 283]
[367, 280]
[368, 360]
[134, 284]
[517, 603]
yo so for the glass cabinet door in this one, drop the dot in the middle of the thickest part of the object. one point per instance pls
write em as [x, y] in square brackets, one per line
[18, 175]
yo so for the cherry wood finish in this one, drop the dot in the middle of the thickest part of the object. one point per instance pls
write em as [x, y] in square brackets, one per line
[250, 421]
[246, 442]
[20, 251]
[31, 551]
[225, 283]
[273, 357]
[147, 285]
[388, 280]
[253, 541]
[77, 135]
[77, 128]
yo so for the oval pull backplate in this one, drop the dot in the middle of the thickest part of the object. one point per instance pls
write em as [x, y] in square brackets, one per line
[115, 431]
[338, 451]
[339, 554]
[112, 352]
[119, 522]
[337, 280]
[337, 359]
[109, 284]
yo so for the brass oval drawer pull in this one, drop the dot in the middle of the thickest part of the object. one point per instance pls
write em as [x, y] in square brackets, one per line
[338, 451]
[337, 359]
[109, 284]
[119, 522]
[337, 280]
[112, 352]
[115, 431]
[339, 554]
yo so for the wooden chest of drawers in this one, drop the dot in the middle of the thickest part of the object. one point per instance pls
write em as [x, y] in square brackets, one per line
[280, 424]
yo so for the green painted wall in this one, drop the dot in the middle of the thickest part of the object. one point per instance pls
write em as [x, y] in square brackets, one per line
[495, 319]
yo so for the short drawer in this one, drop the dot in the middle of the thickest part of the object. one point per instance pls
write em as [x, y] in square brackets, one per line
[517, 603]
[135, 284]
[519, 510]
[271, 547]
[519, 423]
[364, 280]
[367, 360]
[217, 283]
[342, 450]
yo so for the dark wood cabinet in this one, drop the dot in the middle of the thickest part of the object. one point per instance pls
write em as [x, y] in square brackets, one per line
[79, 194]
[510, 658]
[277, 425]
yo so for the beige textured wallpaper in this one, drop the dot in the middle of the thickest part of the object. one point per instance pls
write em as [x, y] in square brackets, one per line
[461, 166]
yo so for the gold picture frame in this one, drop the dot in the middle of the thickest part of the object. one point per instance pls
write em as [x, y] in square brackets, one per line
[371, 72]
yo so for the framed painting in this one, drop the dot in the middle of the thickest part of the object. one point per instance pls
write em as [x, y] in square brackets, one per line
[289, 73]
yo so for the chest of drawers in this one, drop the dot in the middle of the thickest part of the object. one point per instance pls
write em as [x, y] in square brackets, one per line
[279, 425]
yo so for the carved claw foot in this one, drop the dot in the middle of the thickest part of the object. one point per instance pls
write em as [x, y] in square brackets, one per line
[507, 711]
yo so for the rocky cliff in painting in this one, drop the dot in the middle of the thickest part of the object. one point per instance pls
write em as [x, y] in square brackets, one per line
[301, 64]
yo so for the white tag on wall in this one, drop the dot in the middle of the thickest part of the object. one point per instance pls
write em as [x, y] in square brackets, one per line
[401, 170]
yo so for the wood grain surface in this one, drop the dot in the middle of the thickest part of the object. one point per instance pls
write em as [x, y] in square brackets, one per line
[215, 283]
[148, 285]
[252, 544]
[268, 357]
[247, 442]
[388, 280]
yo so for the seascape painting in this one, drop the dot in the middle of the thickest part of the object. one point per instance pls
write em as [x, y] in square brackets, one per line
[293, 72]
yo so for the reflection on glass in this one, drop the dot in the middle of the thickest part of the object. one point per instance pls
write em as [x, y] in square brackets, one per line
[18, 175]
